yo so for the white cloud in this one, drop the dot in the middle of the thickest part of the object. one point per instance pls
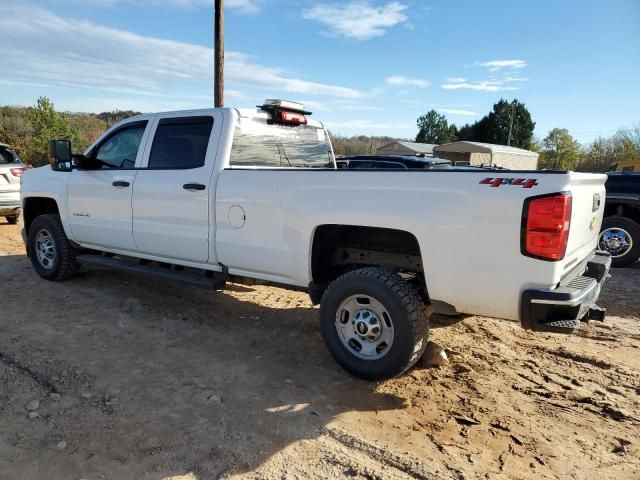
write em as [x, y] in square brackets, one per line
[39, 46]
[400, 81]
[246, 6]
[337, 105]
[454, 111]
[496, 65]
[364, 125]
[357, 19]
[500, 79]
[484, 86]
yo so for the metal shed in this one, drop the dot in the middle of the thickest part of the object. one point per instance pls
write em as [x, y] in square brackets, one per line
[476, 153]
[407, 148]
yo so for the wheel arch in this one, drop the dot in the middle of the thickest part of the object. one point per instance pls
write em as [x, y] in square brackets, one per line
[623, 208]
[339, 248]
[32, 207]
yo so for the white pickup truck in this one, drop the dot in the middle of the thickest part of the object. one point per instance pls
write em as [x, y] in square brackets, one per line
[205, 196]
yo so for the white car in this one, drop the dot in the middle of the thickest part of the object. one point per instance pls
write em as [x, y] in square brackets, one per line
[11, 169]
[230, 193]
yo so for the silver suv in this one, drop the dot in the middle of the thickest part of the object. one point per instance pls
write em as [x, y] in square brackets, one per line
[11, 169]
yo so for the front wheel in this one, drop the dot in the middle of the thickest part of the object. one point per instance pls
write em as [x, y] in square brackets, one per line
[52, 255]
[374, 323]
[620, 236]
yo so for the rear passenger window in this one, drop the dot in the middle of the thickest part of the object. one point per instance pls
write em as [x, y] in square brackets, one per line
[180, 143]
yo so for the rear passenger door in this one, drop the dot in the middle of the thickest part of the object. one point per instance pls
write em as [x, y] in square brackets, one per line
[171, 194]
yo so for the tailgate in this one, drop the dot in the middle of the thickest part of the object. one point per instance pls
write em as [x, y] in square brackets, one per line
[588, 194]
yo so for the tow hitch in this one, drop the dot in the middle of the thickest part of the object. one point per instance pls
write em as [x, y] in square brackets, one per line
[596, 313]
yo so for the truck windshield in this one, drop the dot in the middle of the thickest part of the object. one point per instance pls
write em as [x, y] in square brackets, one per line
[257, 144]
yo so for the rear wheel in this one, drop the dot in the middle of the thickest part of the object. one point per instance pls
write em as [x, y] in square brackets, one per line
[620, 236]
[52, 255]
[374, 323]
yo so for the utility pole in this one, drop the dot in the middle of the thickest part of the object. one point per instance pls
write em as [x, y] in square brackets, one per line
[218, 67]
[513, 106]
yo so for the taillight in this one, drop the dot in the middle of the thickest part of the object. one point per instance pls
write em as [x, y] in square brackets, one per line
[546, 224]
[17, 172]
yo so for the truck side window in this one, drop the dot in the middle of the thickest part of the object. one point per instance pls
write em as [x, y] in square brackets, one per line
[120, 149]
[181, 143]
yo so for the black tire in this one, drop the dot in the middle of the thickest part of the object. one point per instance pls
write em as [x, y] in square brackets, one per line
[63, 266]
[632, 228]
[13, 219]
[403, 304]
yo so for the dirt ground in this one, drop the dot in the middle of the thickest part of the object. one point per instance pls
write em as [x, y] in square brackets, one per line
[145, 380]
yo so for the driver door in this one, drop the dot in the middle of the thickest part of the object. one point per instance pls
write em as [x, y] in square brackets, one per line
[100, 200]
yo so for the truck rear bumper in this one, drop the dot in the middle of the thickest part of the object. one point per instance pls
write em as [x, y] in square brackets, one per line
[562, 309]
[9, 202]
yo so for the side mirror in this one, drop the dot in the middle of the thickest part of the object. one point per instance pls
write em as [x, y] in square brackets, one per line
[83, 163]
[60, 155]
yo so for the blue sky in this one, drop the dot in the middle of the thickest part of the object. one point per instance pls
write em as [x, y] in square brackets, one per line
[368, 67]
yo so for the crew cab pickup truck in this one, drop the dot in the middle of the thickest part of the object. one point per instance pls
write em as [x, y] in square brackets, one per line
[213, 195]
[620, 234]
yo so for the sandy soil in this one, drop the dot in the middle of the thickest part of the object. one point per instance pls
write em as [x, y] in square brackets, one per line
[162, 381]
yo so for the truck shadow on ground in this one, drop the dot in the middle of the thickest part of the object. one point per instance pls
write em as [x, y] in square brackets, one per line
[175, 380]
[621, 292]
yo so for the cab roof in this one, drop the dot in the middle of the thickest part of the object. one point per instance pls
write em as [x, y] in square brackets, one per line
[252, 113]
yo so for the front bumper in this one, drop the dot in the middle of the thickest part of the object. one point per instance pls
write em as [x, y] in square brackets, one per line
[562, 309]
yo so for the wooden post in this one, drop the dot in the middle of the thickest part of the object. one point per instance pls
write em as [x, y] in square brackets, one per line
[513, 106]
[218, 68]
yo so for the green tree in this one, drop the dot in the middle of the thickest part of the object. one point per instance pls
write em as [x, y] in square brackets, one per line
[434, 128]
[631, 134]
[115, 116]
[598, 156]
[358, 144]
[495, 126]
[626, 145]
[560, 151]
[16, 129]
[47, 125]
[88, 127]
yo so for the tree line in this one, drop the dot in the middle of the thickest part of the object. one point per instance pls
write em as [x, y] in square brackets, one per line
[510, 123]
[28, 129]
[358, 144]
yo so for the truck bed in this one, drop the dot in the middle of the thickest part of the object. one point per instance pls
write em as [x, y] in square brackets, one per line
[468, 230]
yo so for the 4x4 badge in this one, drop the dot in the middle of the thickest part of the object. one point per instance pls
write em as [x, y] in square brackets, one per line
[518, 182]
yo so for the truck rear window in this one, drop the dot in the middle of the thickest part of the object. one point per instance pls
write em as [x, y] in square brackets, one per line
[257, 144]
